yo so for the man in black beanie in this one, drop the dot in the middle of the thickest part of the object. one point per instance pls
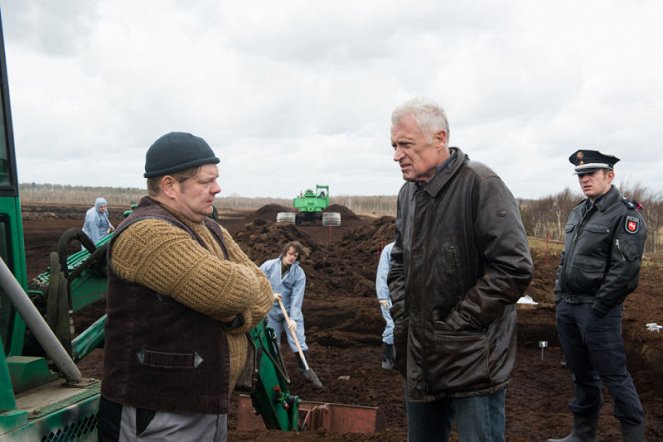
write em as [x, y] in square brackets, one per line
[181, 297]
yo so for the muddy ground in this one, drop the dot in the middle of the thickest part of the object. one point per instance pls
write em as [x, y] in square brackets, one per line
[344, 326]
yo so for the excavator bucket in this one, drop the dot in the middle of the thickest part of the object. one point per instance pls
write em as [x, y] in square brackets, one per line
[271, 406]
[318, 416]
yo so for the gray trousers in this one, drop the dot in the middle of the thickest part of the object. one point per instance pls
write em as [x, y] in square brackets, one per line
[174, 427]
[119, 422]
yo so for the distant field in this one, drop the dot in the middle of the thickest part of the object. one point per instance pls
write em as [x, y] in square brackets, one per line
[542, 218]
[123, 197]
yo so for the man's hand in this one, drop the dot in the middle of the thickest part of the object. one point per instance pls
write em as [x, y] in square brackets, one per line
[292, 326]
[384, 303]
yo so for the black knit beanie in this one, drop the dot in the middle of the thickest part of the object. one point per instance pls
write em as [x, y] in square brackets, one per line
[177, 151]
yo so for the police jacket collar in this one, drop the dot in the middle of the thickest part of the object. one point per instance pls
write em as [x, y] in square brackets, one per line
[606, 200]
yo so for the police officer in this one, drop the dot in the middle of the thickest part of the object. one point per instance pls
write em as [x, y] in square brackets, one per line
[600, 264]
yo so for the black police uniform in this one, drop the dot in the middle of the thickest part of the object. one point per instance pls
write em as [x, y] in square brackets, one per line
[599, 267]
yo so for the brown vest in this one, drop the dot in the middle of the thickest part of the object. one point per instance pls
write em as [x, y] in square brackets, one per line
[159, 354]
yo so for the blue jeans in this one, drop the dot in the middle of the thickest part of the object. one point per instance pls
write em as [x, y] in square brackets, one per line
[594, 352]
[478, 419]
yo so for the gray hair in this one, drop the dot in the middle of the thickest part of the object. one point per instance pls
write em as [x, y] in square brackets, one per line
[429, 115]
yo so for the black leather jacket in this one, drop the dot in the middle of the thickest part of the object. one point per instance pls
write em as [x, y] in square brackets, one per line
[603, 248]
[459, 264]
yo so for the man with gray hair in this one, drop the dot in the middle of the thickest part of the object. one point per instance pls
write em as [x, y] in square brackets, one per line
[459, 264]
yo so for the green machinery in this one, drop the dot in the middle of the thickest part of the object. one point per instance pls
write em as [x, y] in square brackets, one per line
[311, 205]
[42, 393]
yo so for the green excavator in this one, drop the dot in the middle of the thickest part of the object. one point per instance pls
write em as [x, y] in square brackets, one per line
[311, 208]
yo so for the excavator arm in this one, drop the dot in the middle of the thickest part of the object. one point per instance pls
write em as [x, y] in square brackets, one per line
[84, 277]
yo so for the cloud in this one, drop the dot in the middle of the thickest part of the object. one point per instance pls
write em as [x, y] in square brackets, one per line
[295, 93]
[53, 28]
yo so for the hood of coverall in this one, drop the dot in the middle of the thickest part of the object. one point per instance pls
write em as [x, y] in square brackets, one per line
[100, 202]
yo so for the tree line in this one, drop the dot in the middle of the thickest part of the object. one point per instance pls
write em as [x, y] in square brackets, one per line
[543, 218]
[546, 217]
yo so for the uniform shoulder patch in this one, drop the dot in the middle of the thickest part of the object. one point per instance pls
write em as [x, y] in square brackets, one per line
[632, 224]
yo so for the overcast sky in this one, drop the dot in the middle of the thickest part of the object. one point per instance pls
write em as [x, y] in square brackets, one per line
[291, 94]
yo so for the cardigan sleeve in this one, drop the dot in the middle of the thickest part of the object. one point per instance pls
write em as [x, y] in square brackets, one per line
[164, 258]
[264, 297]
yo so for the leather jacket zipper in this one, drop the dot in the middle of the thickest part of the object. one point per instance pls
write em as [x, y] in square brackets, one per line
[458, 285]
[423, 321]
[570, 253]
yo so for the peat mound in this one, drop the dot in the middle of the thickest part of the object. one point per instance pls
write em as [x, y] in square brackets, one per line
[268, 212]
[263, 239]
[543, 282]
[353, 266]
[348, 266]
[346, 214]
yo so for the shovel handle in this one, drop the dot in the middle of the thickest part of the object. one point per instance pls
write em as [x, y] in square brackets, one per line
[292, 335]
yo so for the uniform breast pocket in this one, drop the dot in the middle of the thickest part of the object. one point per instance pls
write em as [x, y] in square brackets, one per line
[568, 234]
[597, 230]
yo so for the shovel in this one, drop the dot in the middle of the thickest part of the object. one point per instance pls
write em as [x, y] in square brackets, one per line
[309, 374]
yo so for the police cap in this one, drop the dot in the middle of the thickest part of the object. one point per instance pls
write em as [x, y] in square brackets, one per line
[588, 161]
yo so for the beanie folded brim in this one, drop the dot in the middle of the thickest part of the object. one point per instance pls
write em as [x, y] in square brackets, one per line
[180, 167]
[177, 151]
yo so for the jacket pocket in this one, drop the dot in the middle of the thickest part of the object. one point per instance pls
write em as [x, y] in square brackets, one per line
[400, 345]
[458, 360]
[587, 274]
[144, 418]
[589, 264]
[164, 360]
[597, 228]
[629, 249]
